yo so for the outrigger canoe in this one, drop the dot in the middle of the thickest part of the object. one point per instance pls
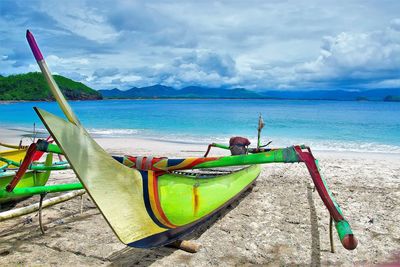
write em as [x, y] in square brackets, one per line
[150, 202]
[147, 207]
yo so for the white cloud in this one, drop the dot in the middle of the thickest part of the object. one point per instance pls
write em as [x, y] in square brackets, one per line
[129, 78]
[58, 61]
[390, 83]
[81, 19]
[254, 44]
[361, 57]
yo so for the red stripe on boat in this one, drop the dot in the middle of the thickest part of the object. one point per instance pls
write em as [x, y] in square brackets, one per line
[157, 202]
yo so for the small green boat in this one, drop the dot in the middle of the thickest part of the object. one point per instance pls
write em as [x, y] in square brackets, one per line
[31, 178]
[21, 174]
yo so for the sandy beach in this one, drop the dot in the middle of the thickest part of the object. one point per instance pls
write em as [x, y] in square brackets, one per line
[280, 221]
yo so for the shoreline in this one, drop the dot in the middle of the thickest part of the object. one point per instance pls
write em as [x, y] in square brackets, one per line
[158, 145]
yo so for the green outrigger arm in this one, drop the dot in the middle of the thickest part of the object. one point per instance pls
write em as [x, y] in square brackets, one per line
[38, 167]
[28, 179]
[37, 190]
[45, 146]
[249, 150]
[215, 145]
[120, 199]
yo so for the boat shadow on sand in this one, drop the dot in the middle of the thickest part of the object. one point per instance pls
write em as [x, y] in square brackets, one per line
[144, 257]
[16, 234]
[14, 238]
[315, 237]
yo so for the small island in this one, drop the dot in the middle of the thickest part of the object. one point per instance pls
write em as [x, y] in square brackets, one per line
[392, 98]
[33, 87]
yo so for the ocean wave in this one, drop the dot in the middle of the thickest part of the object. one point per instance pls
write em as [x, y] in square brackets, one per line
[321, 145]
[197, 139]
[96, 132]
[341, 145]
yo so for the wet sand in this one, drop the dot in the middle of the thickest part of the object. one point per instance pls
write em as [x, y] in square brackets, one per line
[280, 221]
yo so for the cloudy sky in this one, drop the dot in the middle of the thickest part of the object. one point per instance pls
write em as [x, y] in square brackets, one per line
[253, 44]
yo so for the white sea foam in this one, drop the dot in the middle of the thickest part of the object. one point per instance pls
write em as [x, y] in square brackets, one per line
[325, 145]
[338, 145]
[113, 132]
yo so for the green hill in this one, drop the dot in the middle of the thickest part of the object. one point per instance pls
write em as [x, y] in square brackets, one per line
[32, 86]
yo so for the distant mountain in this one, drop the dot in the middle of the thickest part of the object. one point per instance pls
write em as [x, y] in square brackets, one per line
[160, 91]
[203, 92]
[155, 91]
[373, 95]
[32, 86]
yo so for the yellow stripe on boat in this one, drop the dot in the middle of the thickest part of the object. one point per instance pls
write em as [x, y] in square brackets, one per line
[16, 155]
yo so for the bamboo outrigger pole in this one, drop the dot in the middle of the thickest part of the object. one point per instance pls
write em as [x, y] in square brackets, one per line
[34, 207]
[13, 146]
[35, 190]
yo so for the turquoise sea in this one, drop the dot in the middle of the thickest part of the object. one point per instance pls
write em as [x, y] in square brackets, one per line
[324, 125]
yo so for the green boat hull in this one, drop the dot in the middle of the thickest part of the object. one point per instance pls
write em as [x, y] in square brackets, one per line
[178, 199]
[30, 179]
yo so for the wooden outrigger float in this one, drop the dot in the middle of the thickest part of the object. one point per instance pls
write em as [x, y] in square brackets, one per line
[150, 202]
